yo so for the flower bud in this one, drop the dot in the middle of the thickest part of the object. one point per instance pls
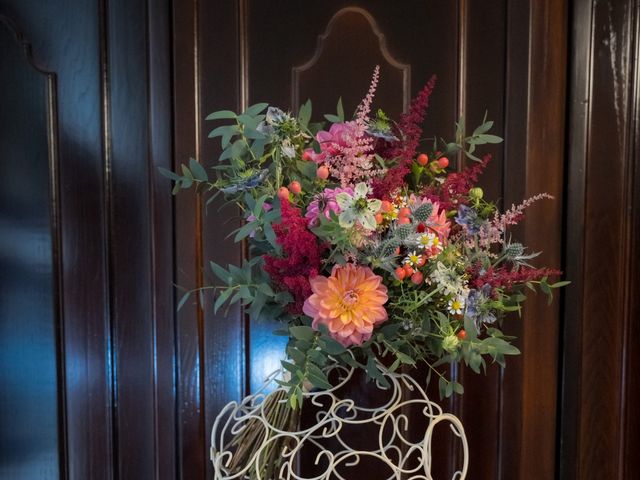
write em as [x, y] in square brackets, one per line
[450, 343]
[476, 193]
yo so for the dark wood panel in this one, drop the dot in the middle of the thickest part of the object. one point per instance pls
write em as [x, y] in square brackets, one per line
[481, 86]
[32, 432]
[129, 237]
[67, 41]
[189, 322]
[225, 355]
[600, 387]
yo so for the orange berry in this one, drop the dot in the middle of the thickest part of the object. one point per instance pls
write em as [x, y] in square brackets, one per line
[386, 206]
[404, 212]
[423, 159]
[400, 273]
[443, 162]
[306, 155]
[461, 334]
[295, 187]
[283, 193]
[323, 172]
[417, 278]
[403, 220]
[408, 269]
[421, 261]
[379, 218]
[397, 250]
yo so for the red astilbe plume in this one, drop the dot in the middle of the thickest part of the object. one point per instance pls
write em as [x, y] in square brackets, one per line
[455, 189]
[503, 277]
[301, 257]
[409, 131]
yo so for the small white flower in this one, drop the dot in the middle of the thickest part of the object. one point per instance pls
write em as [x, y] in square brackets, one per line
[358, 207]
[447, 279]
[413, 259]
[287, 149]
[456, 305]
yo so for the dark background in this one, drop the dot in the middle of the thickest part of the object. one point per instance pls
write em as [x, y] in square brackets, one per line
[101, 379]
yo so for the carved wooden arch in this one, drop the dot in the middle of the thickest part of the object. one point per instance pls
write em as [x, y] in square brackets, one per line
[56, 231]
[297, 70]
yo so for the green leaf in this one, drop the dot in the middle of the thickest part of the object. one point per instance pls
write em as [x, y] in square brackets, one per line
[254, 110]
[253, 134]
[302, 332]
[186, 172]
[183, 300]
[257, 304]
[257, 147]
[223, 297]
[296, 355]
[245, 231]
[332, 347]
[169, 174]
[221, 273]
[304, 114]
[221, 114]
[484, 128]
[340, 110]
[486, 138]
[308, 169]
[289, 366]
[374, 372]
[332, 118]
[563, 283]
[406, 359]
[458, 388]
[198, 170]
[317, 377]
[220, 131]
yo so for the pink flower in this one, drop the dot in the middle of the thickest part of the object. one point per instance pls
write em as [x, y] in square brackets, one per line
[332, 141]
[349, 302]
[325, 203]
[438, 222]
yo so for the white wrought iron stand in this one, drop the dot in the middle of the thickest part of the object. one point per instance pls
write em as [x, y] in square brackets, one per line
[406, 459]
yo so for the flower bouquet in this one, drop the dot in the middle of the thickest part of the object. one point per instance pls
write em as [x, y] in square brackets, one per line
[366, 244]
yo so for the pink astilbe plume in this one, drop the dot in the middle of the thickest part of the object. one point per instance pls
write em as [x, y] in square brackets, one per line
[493, 232]
[409, 131]
[351, 160]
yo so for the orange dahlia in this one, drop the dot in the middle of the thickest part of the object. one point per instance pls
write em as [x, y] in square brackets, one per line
[349, 302]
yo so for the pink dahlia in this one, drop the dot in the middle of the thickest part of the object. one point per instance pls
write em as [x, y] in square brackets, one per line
[325, 203]
[349, 302]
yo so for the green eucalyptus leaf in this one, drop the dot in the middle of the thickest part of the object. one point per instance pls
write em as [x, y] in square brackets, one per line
[221, 114]
[302, 332]
[254, 110]
[340, 110]
[169, 174]
[223, 297]
[198, 171]
[304, 114]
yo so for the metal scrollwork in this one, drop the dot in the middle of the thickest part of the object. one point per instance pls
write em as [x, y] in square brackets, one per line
[403, 457]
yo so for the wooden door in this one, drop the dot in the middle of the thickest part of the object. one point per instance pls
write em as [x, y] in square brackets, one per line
[102, 379]
[283, 52]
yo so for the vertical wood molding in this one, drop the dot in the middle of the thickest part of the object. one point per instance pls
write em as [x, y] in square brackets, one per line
[110, 351]
[542, 228]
